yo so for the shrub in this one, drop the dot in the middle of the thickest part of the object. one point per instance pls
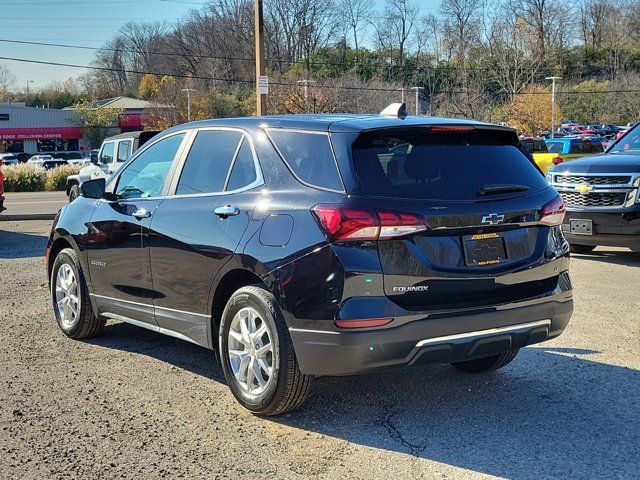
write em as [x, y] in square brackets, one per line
[57, 177]
[29, 178]
[23, 178]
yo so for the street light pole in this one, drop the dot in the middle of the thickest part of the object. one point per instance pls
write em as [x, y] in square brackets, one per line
[188, 90]
[28, 82]
[417, 89]
[261, 99]
[553, 101]
[306, 83]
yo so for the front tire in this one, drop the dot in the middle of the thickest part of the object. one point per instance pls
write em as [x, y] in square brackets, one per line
[70, 297]
[581, 249]
[487, 364]
[74, 192]
[257, 354]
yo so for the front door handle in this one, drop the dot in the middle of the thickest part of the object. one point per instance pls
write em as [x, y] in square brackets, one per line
[227, 211]
[141, 213]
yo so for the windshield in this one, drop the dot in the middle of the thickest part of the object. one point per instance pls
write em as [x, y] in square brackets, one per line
[630, 143]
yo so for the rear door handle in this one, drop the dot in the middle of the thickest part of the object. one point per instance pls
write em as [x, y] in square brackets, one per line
[141, 213]
[227, 211]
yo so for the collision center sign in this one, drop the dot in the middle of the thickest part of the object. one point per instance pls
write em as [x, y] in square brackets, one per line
[54, 133]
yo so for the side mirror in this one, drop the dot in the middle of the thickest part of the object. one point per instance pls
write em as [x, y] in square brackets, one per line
[93, 188]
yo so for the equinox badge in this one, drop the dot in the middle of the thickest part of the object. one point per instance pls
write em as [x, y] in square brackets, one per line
[492, 219]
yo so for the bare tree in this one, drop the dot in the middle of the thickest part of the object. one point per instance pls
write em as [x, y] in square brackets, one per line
[355, 14]
[396, 27]
[7, 81]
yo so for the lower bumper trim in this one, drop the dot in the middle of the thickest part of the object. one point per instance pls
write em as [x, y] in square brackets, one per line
[522, 327]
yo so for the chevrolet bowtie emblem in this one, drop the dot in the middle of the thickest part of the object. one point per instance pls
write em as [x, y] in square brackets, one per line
[584, 188]
[492, 219]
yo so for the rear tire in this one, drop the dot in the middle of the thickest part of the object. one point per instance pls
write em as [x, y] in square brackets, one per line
[487, 364]
[74, 192]
[268, 383]
[581, 249]
[70, 297]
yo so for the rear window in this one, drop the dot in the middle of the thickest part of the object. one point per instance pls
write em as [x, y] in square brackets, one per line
[309, 156]
[555, 147]
[583, 146]
[445, 166]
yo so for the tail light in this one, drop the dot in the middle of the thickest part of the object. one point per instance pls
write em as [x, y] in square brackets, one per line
[345, 223]
[557, 160]
[553, 212]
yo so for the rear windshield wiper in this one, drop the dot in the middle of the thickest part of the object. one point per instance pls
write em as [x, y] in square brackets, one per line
[501, 188]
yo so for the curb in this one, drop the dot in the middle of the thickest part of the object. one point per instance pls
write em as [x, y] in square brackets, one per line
[27, 216]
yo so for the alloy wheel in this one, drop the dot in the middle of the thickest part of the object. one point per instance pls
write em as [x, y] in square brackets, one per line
[250, 349]
[67, 299]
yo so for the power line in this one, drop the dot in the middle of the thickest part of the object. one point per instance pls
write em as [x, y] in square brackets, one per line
[290, 84]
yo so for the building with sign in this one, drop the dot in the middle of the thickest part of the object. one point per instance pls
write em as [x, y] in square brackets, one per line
[32, 130]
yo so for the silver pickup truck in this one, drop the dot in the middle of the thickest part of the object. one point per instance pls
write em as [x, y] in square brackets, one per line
[113, 153]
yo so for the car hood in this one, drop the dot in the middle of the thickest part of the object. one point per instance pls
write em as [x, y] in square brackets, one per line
[607, 163]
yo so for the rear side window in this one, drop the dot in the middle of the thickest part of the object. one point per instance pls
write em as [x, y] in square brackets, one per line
[243, 172]
[208, 162]
[309, 156]
[540, 146]
[124, 149]
[416, 164]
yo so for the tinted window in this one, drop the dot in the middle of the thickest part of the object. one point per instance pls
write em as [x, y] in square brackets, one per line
[208, 162]
[124, 149]
[243, 172]
[540, 146]
[146, 174]
[413, 164]
[309, 156]
[107, 152]
[584, 147]
[629, 143]
[555, 147]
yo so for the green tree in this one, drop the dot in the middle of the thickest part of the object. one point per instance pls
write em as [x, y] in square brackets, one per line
[97, 121]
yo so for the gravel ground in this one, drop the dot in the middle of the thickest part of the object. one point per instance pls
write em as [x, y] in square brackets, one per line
[135, 404]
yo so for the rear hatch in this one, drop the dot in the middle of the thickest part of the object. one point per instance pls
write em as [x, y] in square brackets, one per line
[467, 215]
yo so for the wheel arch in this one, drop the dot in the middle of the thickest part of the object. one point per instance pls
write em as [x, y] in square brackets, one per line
[228, 283]
[59, 243]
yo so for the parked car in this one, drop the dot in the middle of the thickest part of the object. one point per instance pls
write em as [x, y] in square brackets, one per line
[9, 159]
[46, 161]
[537, 148]
[1, 192]
[308, 245]
[570, 148]
[112, 154]
[602, 196]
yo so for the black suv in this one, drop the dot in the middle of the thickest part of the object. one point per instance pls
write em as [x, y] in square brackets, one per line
[320, 245]
[602, 195]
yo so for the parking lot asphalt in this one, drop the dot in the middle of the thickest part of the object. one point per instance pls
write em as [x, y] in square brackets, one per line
[32, 205]
[135, 404]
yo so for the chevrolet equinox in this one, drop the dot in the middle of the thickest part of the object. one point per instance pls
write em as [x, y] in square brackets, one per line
[308, 245]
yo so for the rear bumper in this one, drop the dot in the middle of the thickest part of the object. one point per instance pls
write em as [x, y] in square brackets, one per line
[432, 339]
[609, 229]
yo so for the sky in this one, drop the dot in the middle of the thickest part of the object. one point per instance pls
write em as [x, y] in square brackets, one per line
[79, 22]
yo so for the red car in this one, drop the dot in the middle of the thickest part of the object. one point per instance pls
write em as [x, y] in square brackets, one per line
[1, 192]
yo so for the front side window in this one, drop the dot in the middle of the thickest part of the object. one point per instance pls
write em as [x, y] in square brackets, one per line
[124, 150]
[309, 156]
[207, 165]
[146, 175]
[106, 156]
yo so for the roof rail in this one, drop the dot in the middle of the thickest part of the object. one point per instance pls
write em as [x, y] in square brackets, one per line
[395, 110]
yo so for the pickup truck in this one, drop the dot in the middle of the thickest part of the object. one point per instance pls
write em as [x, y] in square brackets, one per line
[537, 148]
[602, 196]
[113, 153]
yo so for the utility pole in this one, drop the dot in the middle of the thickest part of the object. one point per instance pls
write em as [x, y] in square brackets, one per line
[261, 98]
[417, 89]
[306, 83]
[402, 90]
[28, 82]
[189, 91]
[553, 101]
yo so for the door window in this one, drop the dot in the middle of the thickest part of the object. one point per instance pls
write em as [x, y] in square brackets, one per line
[207, 165]
[243, 172]
[124, 150]
[145, 176]
[106, 156]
